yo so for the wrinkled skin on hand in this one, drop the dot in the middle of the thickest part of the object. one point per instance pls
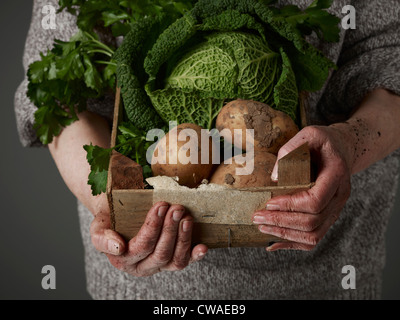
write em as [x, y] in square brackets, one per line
[162, 244]
[305, 217]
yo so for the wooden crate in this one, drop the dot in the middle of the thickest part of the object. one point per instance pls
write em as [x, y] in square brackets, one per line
[215, 224]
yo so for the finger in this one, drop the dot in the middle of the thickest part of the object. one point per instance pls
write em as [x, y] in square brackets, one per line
[291, 145]
[311, 238]
[182, 252]
[291, 220]
[315, 199]
[146, 240]
[103, 238]
[164, 249]
[289, 246]
[198, 253]
[303, 228]
[310, 134]
[332, 173]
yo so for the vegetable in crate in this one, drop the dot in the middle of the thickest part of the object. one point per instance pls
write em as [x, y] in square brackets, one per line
[222, 51]
[271, 128]
[153, 72]
[227, 174]
[225, 50]
[225, 66]
[179, 154]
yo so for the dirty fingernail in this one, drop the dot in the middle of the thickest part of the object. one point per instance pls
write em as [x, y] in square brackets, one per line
[177, 215]
[200, 255]
[113, 246]
[186, 226]
[274, 175]
[273, 207]
[259, 219]
[162, 210]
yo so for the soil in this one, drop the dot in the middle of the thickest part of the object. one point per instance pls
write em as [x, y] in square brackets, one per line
[259, 118]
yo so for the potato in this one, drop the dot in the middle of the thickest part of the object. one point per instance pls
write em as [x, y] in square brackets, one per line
[272, 128]
[264, 162]
[183, 159]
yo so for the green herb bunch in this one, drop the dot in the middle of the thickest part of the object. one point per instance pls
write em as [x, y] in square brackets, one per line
[62, 81]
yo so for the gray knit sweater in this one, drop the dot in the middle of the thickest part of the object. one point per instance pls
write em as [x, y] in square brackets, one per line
[368, 57]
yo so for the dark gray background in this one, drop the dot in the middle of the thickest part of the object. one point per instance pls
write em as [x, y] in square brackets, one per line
[39, 222]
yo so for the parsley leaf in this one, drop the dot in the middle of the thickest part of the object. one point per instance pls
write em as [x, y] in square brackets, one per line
[98, 182]
[131, 143]
[119, 14]
[99, 160]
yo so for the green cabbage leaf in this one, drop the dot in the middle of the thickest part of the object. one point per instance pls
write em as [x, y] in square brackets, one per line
[229, 49]
[226, 66]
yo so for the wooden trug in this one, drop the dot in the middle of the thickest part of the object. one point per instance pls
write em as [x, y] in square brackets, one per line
[129, 205]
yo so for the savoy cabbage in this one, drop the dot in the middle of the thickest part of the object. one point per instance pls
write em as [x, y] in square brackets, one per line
[225, 66]
[230, 49]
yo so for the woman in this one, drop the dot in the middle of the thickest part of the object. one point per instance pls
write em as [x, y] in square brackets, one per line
[340, 221]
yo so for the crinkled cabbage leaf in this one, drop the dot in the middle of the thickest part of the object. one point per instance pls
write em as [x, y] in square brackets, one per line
[224, 67]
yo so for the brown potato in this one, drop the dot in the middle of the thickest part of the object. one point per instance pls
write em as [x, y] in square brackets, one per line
[264, 162]
[272, 128]
[183, 159]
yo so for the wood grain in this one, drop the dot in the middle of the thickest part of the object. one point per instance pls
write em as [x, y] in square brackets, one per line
[295, 167]
[125, 173]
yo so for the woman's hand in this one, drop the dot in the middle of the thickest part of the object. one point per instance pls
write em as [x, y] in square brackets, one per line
[340, 150]
[305, 217]
[162, 244]
[164, 241]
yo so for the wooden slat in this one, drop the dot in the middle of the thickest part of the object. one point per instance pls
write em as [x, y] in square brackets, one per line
[117, 111]
[295, 167]
[116, 119]
[226, 236]
[231, 206]
[130, 210]
[126, 173]
[303, 109]
[132, 206]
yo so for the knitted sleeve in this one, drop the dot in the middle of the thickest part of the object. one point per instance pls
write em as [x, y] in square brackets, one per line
[370, 59]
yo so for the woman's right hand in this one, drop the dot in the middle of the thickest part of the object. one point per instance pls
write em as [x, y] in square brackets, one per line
[164, 241]
[162, 244]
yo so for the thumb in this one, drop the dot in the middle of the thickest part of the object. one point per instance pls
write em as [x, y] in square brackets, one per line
[103, 238]
[294, 143]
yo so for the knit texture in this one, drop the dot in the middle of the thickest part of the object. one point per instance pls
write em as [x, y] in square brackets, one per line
[368, 58]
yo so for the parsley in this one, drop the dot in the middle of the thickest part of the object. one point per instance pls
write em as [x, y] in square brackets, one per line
[119, 14]
[131, 142]
[99, 160]
[64, 78]
[62, 81]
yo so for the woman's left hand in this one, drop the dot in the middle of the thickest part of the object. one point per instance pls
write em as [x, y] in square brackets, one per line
[305, 217]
